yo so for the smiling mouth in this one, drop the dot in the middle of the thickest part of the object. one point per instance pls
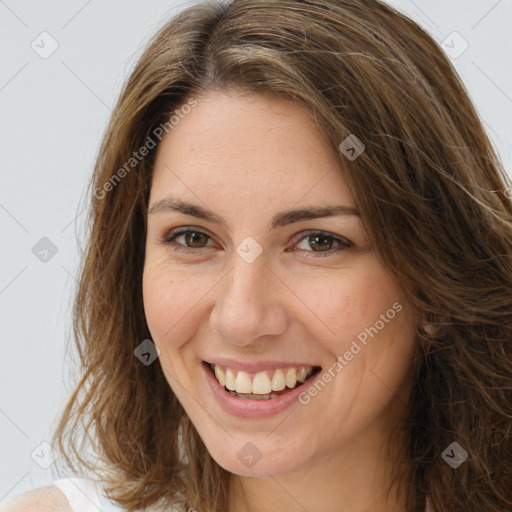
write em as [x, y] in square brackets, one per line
[263, 385]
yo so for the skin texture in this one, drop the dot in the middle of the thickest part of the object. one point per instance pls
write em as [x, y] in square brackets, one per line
[43, 499]
[247, 157]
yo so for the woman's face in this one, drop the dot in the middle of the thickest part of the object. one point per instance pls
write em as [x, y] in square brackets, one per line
[270, 295]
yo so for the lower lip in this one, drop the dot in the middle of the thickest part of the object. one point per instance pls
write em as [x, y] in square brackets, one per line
[246, 408]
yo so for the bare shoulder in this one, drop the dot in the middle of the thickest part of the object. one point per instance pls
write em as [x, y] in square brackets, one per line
[42, 499]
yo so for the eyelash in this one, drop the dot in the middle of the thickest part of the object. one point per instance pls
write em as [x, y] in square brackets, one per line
[169, 239]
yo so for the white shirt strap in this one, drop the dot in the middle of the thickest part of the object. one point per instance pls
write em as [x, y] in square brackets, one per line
[81, 494]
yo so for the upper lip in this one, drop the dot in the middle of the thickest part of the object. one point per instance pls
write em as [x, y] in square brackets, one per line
[256, 366]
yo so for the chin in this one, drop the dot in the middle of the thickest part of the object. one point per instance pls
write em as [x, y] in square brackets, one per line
[260, 458]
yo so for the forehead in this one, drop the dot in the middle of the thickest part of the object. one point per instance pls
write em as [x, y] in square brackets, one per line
[249, 149]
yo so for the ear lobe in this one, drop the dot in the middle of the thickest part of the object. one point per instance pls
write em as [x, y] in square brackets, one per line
[429, 324]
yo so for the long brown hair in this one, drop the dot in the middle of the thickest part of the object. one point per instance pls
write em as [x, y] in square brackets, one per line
[432, 195]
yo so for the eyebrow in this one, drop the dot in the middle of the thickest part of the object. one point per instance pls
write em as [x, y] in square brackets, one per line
[280, 219]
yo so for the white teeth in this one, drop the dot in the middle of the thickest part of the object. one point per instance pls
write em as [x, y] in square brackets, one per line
[304, 373]
[291, 377]
[262, 397]
[260, 383]
[230, 379]
[243, 383]
[301, 374]
[278, 380]
[220, 375]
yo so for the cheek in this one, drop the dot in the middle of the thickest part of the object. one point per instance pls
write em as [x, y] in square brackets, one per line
[169, 306]
[171, 309]
[343, 308]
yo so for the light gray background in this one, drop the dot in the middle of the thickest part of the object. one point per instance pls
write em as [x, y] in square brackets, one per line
[53, 113]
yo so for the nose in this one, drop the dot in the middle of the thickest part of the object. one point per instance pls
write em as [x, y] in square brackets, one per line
[249, 303]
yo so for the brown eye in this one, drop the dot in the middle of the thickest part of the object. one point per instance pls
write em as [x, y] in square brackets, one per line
[320, 242]
[323, 244]
[195, 238]
[191, 240]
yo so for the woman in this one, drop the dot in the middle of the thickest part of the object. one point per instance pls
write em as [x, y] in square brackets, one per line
[297, 293]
